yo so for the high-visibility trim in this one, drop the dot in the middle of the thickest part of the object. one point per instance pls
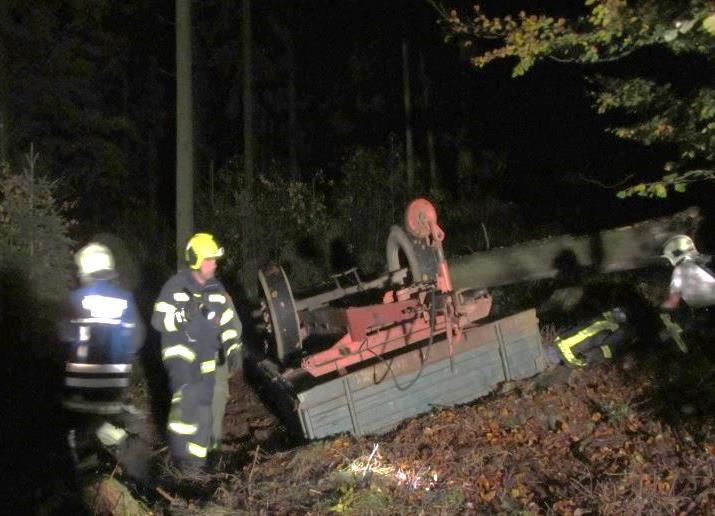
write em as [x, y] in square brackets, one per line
[93, 407]
[227, 316]
[169, 312]
[217, 298]
[606, 350]
[566, 345]
[96, 320]
[104, 307]
[96, 382]
[164, 307]
[567, 353]
[178, 427]
[197, 450]
[233, 347]
[180, 296]
[228, 335]
[208, 366]
[180, 351]
[98, 368]
[110, 435]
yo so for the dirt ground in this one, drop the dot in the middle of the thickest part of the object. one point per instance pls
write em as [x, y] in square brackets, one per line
[613, 439]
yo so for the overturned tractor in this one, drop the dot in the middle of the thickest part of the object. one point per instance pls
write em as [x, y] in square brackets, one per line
[364, 356]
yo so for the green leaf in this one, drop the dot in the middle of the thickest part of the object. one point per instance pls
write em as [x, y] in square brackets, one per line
[622, 194]
[709, 24]
[686, 26]
[660, 190]
[670, 35]
[679, 187]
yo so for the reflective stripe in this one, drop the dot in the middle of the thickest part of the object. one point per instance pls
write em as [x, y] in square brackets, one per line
[228, 334]
[168, 311]
[98, 368]
[180, 296]
[97, 382]
[567, 353]
[179, 350]
[606, 349]
[104, 307]
[182, 428]
[93, 407]
[96, 320]
[110, 435]
[217, 298]
[565, 345]
[208, 366]
[197, 450]
[233, 347]
[227, 316]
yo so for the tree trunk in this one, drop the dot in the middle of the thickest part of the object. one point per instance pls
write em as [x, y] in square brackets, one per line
[4, 90]
[426, 105]
[247, 54]
[184, 130]
[406, 94]
[571, 257]
[292, 113]
[284, 34]
[248, 220]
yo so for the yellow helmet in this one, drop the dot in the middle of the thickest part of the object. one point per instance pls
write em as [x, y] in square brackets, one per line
[677, 248]
[201, 246]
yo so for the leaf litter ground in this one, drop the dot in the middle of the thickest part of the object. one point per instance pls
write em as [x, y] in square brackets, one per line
[612, 439]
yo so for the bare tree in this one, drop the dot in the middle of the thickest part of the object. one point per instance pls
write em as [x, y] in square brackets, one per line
[426, 106]
[249, 267]
[406, 95]
[4, 90]
[184, 129]
[247, 54]
[286, 37]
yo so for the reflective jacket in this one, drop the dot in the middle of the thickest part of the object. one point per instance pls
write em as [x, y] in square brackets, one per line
[102, 333]
[695, 282]
[198, 323]
[594, 342]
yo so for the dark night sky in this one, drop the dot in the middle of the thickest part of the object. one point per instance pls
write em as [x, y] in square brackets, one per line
[541, 124]
[348, 78]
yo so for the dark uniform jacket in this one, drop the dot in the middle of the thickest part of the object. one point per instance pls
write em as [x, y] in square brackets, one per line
[198, 324]
[102, 333]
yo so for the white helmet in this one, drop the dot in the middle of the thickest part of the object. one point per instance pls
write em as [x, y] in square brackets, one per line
[94, 261]
[678, 247]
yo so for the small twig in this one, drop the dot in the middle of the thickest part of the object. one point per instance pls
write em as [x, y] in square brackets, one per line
[603, 185]
[486, 235]
[164, 494]
[157, 452]
[369, 459]
[250, 475]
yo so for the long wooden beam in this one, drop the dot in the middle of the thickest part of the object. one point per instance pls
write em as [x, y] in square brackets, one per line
[623, 248]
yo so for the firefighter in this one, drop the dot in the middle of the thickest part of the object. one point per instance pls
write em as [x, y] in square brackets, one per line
[598, 341]
[691, 280]
[102, 332]
[200, 340]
